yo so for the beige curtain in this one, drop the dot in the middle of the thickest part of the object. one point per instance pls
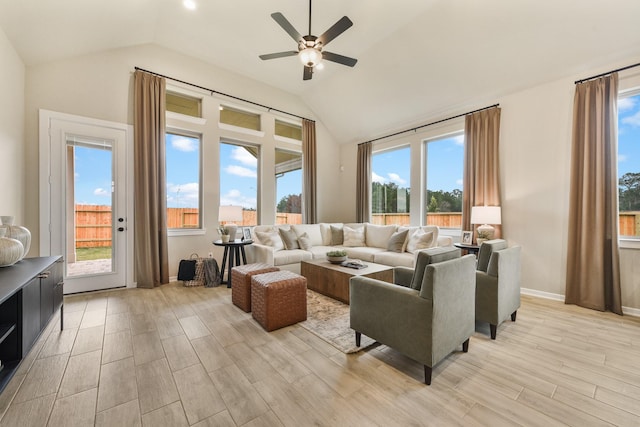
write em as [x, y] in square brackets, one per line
[150, 253]
[481, 176]
[309, 170]
[363, 183]
[593, 264]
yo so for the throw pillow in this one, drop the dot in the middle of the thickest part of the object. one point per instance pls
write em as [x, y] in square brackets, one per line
[304, 241]
[271, 238]
[289, 239]
[419, 240]
[353, 238]
[337, 236]
[396, 242]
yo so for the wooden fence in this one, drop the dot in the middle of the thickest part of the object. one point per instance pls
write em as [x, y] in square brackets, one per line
[93, 222]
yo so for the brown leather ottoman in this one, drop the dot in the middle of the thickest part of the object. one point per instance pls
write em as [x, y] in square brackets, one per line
[241, 279]
[278, 299]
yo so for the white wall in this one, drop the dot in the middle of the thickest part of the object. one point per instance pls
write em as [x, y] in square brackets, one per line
[100, 86]
[535, 150]
[12, 172]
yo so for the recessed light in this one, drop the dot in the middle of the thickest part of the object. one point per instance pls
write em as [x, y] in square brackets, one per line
[189, 4]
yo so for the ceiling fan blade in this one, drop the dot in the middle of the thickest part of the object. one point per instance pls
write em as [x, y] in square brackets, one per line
[340, 59]
[338, 28]
[286, 25]
[308, 73]
[278, 55]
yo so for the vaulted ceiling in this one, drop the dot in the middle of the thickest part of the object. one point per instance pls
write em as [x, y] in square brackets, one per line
[417, 59]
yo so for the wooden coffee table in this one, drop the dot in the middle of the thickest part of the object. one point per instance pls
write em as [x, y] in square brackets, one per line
[332, 280]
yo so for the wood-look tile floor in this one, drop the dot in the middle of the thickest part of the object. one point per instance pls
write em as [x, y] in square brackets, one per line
[176, 356]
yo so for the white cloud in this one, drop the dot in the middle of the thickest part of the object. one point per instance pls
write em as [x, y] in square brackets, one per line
[625, 104]
[394, 177]
[236, 198]
[632, 120]
[241, 171]
[459, 181]
[622, 158]
[377, 178]
[243, 156]
[181, 143]
[183, 195]
[101, 192]
[458, 140]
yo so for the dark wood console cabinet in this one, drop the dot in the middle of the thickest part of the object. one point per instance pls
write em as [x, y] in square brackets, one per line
[30, 293]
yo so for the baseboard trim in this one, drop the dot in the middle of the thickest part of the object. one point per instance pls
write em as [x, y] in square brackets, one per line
[629, 311]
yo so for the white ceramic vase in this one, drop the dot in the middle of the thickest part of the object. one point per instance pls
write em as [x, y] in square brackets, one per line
[11, 250]
[17, 232]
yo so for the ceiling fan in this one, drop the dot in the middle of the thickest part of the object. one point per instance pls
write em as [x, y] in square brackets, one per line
[310, 48]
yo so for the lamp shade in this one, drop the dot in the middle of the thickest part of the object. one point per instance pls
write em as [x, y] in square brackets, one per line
[310, 56]
[486, 215]
[230, 213]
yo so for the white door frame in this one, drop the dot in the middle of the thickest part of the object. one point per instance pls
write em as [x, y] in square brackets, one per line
[45, 119]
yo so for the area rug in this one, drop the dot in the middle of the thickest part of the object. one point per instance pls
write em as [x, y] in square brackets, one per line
[329, 319]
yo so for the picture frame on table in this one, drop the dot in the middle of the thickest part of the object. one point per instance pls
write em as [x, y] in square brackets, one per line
[246, 233]
[467, 237]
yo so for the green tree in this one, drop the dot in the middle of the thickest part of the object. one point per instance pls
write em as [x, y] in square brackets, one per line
[629, 191]
[290, 204]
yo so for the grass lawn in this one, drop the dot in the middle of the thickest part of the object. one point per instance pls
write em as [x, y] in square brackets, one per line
[88, 254]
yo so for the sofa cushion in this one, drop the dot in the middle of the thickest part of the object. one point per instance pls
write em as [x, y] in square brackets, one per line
[290, 257]
[270, 238]
[419, 240]
[263, 229]
[397, 241]
[289, 239]
[354, 237]
[363, 253]
[312, 230]
[377, 236]
[304, 242]
[320, 252]
[425, 228]
[337, 235]
[396, 259]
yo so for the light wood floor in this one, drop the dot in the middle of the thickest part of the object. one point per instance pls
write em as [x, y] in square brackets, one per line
[178, 356]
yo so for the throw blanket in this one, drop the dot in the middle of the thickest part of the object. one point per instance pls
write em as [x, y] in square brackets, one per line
[211, 272]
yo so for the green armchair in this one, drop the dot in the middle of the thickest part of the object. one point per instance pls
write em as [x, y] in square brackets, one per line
[426, 324]
[497, 283]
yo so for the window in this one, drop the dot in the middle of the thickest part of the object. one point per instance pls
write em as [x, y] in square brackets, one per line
[239, 179]
[183, 104]
[445, 160]
[239, 118]
[183, 180]
[390, 195]
[629, 164]
[288, 187]
[288, 130]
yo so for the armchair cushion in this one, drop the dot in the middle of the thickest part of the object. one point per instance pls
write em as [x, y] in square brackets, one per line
[431, 256]
[485, 251]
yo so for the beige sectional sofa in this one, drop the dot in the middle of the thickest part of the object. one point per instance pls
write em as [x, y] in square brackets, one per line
[285, 246]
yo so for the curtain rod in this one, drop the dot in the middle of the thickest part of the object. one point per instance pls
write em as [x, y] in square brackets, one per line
[607, 73]
[429, 124]
[222, 93]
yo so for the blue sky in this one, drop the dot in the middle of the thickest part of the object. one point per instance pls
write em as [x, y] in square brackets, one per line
[239, 168]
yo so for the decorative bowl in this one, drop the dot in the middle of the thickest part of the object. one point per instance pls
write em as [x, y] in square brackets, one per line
[336, 259]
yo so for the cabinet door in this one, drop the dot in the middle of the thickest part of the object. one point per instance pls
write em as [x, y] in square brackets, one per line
[30, 314]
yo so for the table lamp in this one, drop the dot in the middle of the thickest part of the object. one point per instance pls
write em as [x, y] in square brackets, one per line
[228, 214]
[486, 215]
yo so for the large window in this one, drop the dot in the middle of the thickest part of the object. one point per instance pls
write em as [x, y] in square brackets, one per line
[390, 196]
[288, 187]
[183, 180]
[629, 164]
[445, 159]
[239, 179]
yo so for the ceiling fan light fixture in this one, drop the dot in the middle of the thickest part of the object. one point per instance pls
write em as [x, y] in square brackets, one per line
[310, 56]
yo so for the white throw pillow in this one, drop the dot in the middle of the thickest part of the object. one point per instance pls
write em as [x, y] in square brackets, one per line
[419, 240]
[271, 238]
[353, 237]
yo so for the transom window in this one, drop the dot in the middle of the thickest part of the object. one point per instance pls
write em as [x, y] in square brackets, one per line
[239, 118]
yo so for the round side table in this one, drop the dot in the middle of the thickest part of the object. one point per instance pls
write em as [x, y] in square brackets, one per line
[232, 257]
[472, 249]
